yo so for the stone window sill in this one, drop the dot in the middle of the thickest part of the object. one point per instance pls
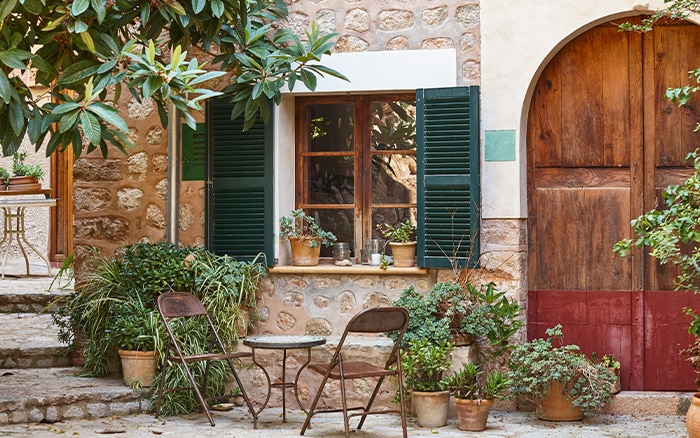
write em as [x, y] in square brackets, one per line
[326, 269]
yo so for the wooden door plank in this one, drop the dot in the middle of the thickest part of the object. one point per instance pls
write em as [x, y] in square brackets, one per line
[615, 108]
[545, 117]
[581, 78]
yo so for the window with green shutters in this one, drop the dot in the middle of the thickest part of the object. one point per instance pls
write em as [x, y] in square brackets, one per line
[448, 176]
[239, 185]
[239, 196]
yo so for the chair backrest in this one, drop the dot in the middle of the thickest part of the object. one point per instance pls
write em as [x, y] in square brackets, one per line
[379, 320]
[180, 304]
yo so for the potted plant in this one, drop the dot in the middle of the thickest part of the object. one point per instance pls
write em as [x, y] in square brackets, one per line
[305, 237]
[423, 321]
[450, 302]
[562, 382]
[461, 313]
[474, 393]
[424, 365]
[136, 333]
[613, 365]
[24, 176]
[402, 241]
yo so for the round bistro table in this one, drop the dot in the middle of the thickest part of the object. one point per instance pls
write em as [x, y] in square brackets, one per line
[284, 343]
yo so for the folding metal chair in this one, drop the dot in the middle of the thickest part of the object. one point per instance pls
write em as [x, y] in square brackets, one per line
[185, 305]
[375, 320]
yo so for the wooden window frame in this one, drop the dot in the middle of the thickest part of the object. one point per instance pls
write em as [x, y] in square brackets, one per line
[362, 153]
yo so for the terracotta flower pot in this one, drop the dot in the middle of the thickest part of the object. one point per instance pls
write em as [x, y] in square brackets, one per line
[472, 415]
[555, 406]
[431, 407]
[302, 252]
[404, 254]
[138, 366]
[692, 418]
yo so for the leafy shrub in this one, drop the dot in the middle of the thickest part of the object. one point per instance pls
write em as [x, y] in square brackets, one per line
[533, 365]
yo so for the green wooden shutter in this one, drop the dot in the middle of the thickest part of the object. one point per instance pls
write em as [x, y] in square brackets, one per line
[239, 189]
[448, 176]
[194, 152]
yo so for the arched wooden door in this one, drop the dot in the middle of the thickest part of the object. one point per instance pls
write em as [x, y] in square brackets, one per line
[602, 143]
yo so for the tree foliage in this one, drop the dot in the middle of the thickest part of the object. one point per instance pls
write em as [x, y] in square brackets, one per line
[86, 51]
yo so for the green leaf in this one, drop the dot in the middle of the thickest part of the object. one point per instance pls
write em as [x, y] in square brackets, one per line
[41, 64]
[177, 7]
[17, 119]
[100, 9]
[91, 127]
[33, 6]
[5, 88]
[198, 6]
[87, 40]
[15, 58]
[109, 115]
[65, 108]
[217, 8]
[107, 66]
[68, 122]
[6, 7]
[79, 26]
[79, 6]
[78, 71]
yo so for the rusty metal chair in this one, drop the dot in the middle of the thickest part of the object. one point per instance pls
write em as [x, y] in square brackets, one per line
[375, 320]
[183, 305]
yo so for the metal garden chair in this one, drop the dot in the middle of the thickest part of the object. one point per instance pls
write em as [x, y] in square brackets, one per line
[183, 305]
[374, 320]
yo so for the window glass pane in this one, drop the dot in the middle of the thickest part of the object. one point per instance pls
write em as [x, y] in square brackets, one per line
[332, 180]
[393, 125]
[332, 127]
[338, 222]
[393, 179]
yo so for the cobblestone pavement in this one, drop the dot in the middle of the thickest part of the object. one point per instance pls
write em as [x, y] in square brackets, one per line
[237, 423]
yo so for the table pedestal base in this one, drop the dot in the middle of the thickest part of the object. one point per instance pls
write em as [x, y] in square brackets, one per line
[16, 230]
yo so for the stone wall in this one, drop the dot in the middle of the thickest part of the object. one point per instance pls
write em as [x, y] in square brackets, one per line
[370, 25]
[122, 199]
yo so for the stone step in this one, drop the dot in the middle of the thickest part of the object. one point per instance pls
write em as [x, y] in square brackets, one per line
[54, 394]
[34, 293]
[30, 340]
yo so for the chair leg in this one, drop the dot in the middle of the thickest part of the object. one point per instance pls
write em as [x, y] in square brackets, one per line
[307, 422]
[370, 402]
[195, 387]
[244, 394]
[161, 386]
[344, 398]
[401, 397]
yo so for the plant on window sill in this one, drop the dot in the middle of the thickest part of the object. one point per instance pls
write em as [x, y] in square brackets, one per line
[300, 225]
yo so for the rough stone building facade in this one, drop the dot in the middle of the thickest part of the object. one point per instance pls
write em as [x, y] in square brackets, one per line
[505, 48]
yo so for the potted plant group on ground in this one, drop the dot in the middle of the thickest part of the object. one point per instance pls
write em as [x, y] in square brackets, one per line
[402, 240]
[562, 382]
[474, 392]
[305, 237]
[454, 311]
[114, 308]
[424, 366]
